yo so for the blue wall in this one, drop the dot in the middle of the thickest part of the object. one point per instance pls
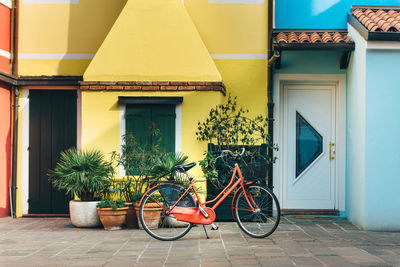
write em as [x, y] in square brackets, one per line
[382, 173]
[318, 14]
[355, 129]
[312, 62]
[373, 131]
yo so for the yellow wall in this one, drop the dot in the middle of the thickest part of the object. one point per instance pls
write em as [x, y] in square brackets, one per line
[246, 79]
[231, 28]
[153, 40]
[63, 29]
[81, 28]
[100, 120]
[243, 78]
[50, 67]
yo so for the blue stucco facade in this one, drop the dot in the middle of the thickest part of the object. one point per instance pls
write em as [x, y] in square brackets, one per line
[355, 132]
[382, 127]
[372, 109]
[306, 62]
[373, 128]
[319, 14]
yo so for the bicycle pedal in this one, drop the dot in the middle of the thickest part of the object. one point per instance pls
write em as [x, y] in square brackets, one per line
[214, 227]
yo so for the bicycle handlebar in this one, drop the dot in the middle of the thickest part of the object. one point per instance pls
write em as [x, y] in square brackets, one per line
[223, 152]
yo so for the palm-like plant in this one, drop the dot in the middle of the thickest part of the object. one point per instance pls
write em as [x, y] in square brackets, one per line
[82, 173]
[165, 166]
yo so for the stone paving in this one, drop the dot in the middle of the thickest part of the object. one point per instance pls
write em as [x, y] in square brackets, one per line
[297, 242]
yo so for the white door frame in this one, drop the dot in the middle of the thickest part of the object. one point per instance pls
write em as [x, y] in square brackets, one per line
[339, 80]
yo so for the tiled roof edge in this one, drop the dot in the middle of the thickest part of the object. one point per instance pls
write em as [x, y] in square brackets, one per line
[378, 23]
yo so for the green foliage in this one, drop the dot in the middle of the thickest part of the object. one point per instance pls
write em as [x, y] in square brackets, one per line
[110, 203]
[165, 165]
[144, 165]
[136, 197]
[228, 126]
[138, 161]
[207, 165]
[82, 173]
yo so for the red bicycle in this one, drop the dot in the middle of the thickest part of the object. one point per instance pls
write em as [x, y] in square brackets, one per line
[255, 208]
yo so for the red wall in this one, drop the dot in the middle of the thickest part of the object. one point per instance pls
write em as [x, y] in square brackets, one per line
[5, 129]
[5, 146]
[5, 28]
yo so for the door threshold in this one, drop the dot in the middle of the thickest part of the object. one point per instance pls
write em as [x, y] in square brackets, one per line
[44, 215]
[309, 212]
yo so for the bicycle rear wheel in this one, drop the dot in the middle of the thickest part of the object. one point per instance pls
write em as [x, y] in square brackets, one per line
[155, 205]
[264, 219]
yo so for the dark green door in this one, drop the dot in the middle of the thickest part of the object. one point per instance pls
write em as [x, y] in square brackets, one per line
[140, 117]
[52, 129]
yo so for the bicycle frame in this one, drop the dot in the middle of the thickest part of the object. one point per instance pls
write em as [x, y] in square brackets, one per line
[218, 199]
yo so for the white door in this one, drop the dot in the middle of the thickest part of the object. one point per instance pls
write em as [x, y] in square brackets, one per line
[309, 147]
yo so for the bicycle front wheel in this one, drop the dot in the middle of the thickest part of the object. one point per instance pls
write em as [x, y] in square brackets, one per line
[153, 212]
[257, 211]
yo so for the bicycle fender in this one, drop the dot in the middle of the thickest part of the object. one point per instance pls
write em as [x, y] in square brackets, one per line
[193, 215]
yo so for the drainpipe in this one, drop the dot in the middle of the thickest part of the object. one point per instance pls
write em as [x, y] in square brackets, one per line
[15, 150]
[270, 104]
[15, 107]
[14, 37]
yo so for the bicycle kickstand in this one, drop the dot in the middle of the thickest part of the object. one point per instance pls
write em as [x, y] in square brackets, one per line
[214, 227]
[205, 231]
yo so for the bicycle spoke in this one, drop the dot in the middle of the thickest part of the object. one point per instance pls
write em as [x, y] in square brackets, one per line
[166, 226]
[261, 221]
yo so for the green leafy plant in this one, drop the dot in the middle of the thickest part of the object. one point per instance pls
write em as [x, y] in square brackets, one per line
[145, 164]
[209, 169]
[82, 173]
[229, 126]
[110, 203]
[138, 161]
[165, 165]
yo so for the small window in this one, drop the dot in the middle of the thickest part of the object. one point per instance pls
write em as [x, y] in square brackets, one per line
[308, 144]
[140, 117]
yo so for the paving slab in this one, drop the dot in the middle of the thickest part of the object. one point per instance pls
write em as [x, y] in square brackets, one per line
[297, 242]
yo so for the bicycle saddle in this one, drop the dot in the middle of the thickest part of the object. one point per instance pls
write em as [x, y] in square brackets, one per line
[184, 168]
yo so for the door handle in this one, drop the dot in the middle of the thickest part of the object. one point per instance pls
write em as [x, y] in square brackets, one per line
[332, 151]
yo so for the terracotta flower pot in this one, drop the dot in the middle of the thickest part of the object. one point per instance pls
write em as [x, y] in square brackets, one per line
[131, 218]
[112, 219]
[151, 214]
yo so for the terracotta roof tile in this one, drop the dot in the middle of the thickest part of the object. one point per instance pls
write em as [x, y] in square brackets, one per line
[293, 38]
[378, 20]
[312, 37]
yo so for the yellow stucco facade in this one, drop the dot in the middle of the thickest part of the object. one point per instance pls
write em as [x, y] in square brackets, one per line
[58, 39]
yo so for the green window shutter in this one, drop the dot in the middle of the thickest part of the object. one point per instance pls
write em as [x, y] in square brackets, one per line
[164, 118]
[138, 122]
[139, 118]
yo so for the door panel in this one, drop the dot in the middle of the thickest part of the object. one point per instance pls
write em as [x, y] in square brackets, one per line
[52, 129]
[309, 128]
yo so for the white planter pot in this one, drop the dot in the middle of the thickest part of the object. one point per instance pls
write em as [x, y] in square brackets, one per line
[84, 213]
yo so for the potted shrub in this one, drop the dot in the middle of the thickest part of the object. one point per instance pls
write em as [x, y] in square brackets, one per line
[138, 161]
[112, 213]
[125, 189]
[229, 126]
[145, 165]
[84, 174]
